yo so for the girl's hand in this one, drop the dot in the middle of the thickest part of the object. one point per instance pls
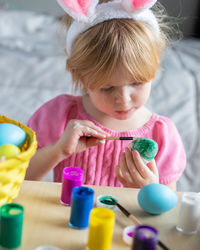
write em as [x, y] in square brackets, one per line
[74, 139]
[133, 172]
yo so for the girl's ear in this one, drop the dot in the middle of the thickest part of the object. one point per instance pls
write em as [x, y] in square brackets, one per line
[80, 10]
[138, 5]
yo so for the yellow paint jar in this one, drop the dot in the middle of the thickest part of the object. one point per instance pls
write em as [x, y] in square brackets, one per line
[101, 227]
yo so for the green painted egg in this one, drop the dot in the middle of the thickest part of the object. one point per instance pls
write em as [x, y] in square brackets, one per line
[147, 148]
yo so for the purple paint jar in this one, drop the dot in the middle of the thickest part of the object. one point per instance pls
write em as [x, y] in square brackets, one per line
[72, 177]
[146, 238]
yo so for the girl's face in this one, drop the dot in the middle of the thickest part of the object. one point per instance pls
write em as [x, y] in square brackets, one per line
[120, 97]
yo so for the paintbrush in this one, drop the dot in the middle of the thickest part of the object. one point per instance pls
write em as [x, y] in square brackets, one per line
[120, 138]
[129, 215]
[115, 138]
[135, 220]
[147, 148]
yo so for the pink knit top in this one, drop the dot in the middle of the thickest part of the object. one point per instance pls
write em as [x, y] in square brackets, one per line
[99, 162]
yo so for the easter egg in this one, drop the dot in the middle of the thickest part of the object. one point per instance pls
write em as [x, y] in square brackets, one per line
[11, 134]
[156, 198]
[8, 151]
[147, 148]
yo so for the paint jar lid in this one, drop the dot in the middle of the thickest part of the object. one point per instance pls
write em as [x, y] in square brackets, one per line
[128, 234]
[47, 247]
[82, 193]
[106, 202]
[146, 233]
[73, 173]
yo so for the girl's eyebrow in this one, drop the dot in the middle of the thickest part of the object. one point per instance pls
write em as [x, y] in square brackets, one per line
[115, 85]
[107, 86]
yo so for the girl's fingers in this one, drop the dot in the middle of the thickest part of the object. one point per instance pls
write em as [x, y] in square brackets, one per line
[132, 172]
[131, 164]
[94, 142]
[149, 172]
[152, 166]
[142, 168]
[119, 175]
[124, 169]
[87, 128]
[121, 178]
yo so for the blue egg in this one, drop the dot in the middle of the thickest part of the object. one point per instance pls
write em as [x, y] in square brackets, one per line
[156, 198]
[11, 134]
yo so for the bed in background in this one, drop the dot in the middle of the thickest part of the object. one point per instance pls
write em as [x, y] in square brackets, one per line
[32, 71]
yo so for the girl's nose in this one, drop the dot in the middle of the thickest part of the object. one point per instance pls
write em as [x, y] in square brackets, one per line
[123, 96]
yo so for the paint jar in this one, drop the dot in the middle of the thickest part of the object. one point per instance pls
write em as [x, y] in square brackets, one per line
[81, 205]
[47, 247]
[189, 213]
[128, 235]
[146, 238]
[106, 202]
[72, 177]
[101, 229]
[11, 224]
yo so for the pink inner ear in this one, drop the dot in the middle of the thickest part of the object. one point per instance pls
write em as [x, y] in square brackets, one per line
[78, 6]
[139, 4]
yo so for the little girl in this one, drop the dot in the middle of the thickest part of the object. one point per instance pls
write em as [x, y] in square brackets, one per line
[113, 51]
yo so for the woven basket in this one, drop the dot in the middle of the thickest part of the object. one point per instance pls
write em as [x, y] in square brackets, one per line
[12, 171]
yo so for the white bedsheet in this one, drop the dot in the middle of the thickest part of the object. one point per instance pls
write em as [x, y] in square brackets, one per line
[32, 71]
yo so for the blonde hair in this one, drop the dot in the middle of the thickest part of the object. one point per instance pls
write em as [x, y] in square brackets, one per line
[100, 50]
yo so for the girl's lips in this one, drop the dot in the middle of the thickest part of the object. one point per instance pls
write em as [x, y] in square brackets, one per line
[123, 111]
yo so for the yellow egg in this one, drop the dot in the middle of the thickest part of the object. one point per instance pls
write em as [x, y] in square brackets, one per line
[8, 151]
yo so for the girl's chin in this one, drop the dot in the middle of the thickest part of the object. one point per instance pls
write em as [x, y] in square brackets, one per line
[122, 117]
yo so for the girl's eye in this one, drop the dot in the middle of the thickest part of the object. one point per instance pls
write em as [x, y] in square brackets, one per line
[107, 89]
[137, 83]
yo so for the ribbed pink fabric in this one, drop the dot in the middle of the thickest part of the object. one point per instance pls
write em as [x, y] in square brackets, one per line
[99, 162]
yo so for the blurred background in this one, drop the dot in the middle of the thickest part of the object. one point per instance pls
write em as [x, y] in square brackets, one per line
[189, 10]
[32, 70]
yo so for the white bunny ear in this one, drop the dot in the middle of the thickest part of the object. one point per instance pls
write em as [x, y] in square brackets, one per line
[137, 5]
[80, 10]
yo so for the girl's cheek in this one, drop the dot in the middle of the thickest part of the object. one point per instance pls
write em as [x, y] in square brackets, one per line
[106, 99]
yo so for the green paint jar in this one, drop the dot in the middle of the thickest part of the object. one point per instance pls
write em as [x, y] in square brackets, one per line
[106, 202]
[11, 223]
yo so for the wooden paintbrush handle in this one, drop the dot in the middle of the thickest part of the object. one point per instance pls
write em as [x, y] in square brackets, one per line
[120, 138]
[134, 219]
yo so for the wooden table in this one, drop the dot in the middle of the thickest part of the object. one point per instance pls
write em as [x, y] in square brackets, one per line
[46, 220]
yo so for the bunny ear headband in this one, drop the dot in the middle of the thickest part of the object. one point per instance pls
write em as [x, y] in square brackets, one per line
[88, 13]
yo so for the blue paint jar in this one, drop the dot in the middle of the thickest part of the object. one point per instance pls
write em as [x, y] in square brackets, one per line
[81, 206]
